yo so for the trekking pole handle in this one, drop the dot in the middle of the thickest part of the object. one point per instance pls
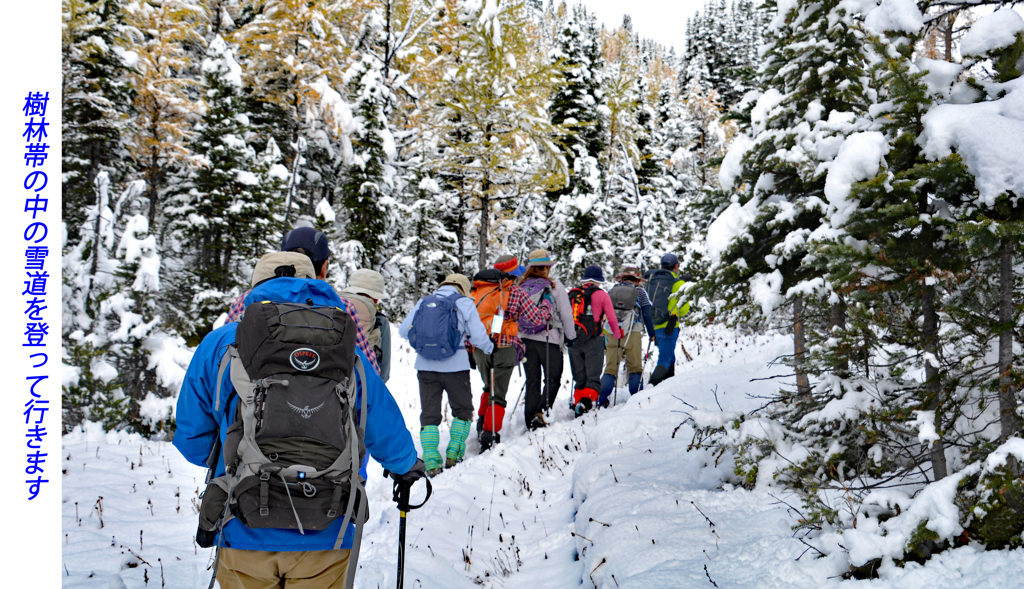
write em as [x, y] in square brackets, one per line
[401, 491]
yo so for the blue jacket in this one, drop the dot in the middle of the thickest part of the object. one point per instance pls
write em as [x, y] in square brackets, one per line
[469, 324]
[387, 439]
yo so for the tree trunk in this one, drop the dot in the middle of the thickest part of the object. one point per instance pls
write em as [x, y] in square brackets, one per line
[1008, 421]
[930, 332]
[948, 35]
[418, 256]
[485, 222]
[154, 181]
[837, 317]
[460, 229]
[803, 384]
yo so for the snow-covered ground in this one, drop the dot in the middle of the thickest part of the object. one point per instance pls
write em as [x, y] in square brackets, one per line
[613, 499]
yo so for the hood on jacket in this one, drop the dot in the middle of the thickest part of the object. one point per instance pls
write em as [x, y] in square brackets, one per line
[294, 290]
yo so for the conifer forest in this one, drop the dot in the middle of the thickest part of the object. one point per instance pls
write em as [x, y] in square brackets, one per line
[846, 172]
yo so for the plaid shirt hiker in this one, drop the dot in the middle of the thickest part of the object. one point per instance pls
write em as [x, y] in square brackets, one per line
[519, 305]
[237, 310]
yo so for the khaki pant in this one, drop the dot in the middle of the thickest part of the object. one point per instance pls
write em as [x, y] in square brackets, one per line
[633, 342]
[256, 569]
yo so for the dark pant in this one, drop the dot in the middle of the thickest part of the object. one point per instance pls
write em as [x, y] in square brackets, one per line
[502, 361]
[434, 384]
[546, 358]
[586, 360]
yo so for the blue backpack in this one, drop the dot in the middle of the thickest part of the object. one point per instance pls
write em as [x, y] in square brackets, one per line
[434, 332]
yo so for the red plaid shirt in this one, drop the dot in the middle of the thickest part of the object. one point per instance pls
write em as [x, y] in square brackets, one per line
[519, 305]
[237, 310]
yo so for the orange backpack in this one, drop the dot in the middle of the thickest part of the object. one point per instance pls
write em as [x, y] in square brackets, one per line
[489, 298]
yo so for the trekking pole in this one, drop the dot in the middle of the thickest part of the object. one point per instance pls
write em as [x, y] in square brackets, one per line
[491, 397]
[401, 496]
[545, 390]
[622, 359]
[647, 358]
[516, 406]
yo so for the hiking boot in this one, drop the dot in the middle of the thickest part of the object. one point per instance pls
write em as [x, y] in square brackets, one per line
[537, 421]
[583, 406]
[488, 439]
[660, 374]
[434, 472]
[450, 462]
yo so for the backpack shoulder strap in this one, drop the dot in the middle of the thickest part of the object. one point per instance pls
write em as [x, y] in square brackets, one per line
[356, 432]
[230, 354]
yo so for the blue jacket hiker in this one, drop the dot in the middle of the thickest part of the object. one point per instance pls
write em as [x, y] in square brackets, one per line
[285, 553]
[437, 328]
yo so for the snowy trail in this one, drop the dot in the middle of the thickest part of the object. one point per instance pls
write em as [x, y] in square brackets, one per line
[645, 512]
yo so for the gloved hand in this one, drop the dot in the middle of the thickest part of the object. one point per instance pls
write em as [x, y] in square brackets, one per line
[654, 339]
[672, 322]
[569, 342]
[417, 472]
[472, 362]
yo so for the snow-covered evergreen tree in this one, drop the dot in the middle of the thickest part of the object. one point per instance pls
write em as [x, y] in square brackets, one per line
[227, 211]
[96, 99]
[364, 191]
[577, 104]
[124, 368]
[295, 53]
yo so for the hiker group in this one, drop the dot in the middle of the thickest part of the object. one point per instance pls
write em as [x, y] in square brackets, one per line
[510, 313]
[283, 402]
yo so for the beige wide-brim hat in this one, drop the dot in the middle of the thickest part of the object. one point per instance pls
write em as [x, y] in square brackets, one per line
[459, 281]
[540, 258]
[268, 264]
[366, 282]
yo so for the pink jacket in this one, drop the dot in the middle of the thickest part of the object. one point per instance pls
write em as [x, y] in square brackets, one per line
[601, 304]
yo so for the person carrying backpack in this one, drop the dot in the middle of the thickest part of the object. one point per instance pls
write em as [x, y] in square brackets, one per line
[591, 306]
[437, 329]
[663, 287]
[365, 290]
[283, 408]
[501, 304]
[544, 341]
[633, 312]
[312, 245]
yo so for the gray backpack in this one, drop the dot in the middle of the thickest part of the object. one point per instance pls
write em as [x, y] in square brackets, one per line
[293, 450]
[624, 296]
